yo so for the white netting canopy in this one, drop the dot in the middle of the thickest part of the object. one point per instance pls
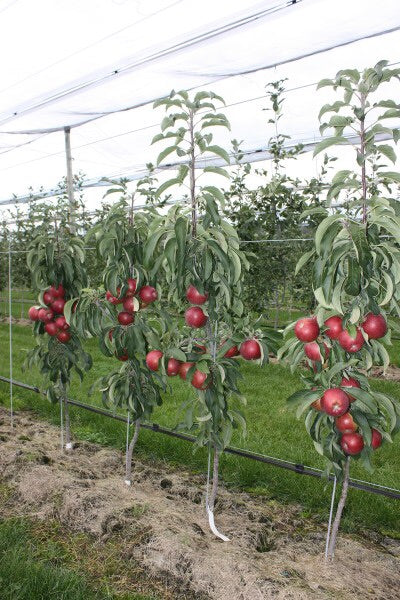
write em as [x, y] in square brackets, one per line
[97, 65]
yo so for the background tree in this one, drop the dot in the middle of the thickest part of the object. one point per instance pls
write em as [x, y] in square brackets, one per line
[271, 212]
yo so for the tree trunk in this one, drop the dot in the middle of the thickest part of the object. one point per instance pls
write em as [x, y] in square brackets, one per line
[128, 465]
[338, 516]
[214, 489]
[68, 444]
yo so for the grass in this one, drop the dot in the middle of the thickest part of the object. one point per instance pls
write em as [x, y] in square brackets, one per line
[38, 561]
[272, 430]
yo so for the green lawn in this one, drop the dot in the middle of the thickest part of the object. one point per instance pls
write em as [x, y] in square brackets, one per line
[40, 562]
[272, 430]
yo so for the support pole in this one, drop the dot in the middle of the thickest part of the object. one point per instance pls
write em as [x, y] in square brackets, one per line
[10, 331]
[70, 182]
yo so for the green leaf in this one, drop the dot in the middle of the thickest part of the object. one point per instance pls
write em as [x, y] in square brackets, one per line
[167, 184]
[176, 353]
[323, 227]
[165, 153]
[303, 260]
[388, 151]
[217, 170]
[390, 175]
[325, 83]
[219, 152]
[328, 142]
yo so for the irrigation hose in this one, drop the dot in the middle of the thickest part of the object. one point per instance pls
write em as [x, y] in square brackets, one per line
[276, 462]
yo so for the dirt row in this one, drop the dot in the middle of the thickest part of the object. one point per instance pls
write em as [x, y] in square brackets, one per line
[274, 552]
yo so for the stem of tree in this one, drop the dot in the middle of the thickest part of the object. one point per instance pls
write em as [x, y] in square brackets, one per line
[341, 505]
[214, 489]
[128, 467]
[67, 424]
[192, 175]
[362, 154]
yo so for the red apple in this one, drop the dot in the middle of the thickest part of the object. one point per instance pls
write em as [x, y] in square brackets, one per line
[153, 358]
[111, 298]
[335, 402]
[148, 294]
[125, 318]
[198, 380]
[352, 443]
[350, 382]
[233, 351]
[123, 357]
[195, 317]
[313, 352]
[376, 439]
[33, 313]
[45, 315]
[375, 326]
[131, 286]
[63, 336]
[48, 298]
[345, 423]
[128, 304]
[349, 343]
[334, 327]
[250, 350]
[194, 296]
[61, 323]
[51, 328]
[184, 368]
[58, 306]
[307, 329]
[57, 292]
[173, 367]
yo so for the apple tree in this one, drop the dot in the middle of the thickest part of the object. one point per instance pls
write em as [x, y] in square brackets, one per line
[56, 262]
[125, 313]
[204, 267]
[356, 276]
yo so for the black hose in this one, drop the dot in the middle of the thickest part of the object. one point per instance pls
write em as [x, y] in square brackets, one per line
[276, 462]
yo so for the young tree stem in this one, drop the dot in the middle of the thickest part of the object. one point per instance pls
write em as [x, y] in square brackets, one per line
[192, 175]
[363, 170]
[129, 454]
[214, 489]
[341, 505]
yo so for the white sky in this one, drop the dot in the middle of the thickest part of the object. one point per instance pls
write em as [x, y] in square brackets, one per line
[50, 46]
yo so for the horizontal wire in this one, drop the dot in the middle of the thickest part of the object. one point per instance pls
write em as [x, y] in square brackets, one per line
[178, 47]
[278, 462]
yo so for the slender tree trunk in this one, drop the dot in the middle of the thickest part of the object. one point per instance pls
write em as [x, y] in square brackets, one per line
[214, 489]
[363, 171]
[68, 444]
[129, 454]
[341, 505]
[192, 176]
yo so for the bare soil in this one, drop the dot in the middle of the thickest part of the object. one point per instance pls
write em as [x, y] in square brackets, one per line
[274, 553]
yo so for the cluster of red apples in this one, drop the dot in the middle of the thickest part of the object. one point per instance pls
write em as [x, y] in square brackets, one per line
[335, 401]
[52, 314]
[147, 294]
[196, 318]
